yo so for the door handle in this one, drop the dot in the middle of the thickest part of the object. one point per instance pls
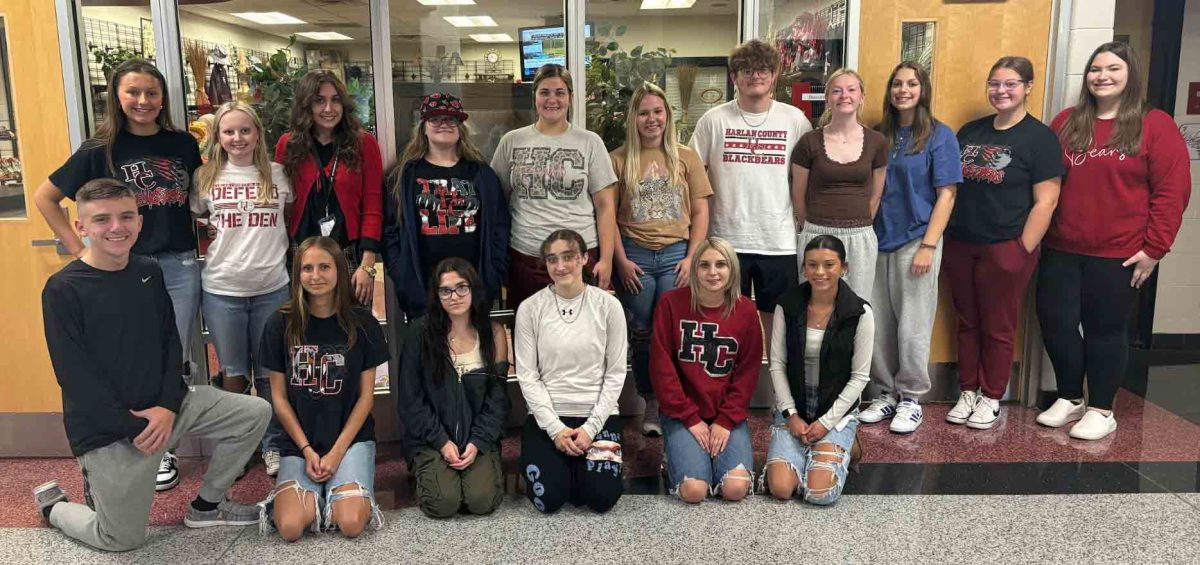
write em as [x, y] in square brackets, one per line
[55, 243]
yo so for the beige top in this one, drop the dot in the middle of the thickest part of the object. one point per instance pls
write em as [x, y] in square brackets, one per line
[657, 212]
[469, 361]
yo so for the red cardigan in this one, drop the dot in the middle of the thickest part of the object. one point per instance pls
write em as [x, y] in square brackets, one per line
[359, 193]
[1114, 205]
[712, 376]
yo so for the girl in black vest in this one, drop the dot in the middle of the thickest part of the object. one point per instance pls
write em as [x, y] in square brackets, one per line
[820, 362]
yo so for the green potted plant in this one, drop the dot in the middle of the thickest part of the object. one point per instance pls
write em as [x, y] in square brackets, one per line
[613, 75]
[109, 57]
[272, 83]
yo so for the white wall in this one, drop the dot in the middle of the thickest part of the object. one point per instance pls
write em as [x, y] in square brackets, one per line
[1177, 307]
[1091, 26]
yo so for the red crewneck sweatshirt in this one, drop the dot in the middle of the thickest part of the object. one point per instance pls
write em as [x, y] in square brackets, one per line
[1114, 205]
[704, 367]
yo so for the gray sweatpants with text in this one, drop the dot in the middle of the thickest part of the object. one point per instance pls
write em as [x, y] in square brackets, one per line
[120, 480]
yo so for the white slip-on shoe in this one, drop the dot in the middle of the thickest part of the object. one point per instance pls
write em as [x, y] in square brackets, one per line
[1093, 426]
[1061, 413]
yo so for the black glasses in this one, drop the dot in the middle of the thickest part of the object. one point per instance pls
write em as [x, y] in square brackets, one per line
[444, 292]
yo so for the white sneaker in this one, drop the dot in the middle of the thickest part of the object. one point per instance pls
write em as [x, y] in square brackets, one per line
[881, 408]
[1094, 425]
[168, 473]
[651, 426]
[1061, 413]
[985, 414]
[963, 408]
[909, 416]
[271, 459]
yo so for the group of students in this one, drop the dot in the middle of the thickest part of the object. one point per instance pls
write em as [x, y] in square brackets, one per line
[683, 234]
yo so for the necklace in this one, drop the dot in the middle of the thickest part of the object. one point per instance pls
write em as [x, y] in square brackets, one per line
[747, 122]
[570, 312]
[821, 324]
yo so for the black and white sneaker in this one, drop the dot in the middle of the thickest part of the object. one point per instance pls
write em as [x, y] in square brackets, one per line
[908, 417]
[985, 414]
[46, 496]
[168, 473]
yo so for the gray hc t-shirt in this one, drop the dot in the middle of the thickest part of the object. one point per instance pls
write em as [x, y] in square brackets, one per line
[546, 177]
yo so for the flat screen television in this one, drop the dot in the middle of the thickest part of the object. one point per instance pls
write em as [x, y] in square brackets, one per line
[542, 45]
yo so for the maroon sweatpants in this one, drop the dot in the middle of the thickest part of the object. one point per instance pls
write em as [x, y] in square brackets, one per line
[988, 281]
[527, 275]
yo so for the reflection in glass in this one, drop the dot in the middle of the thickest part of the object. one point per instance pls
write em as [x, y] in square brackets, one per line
[12, 181]
[811, 38]
[112, 35]
[918, 41]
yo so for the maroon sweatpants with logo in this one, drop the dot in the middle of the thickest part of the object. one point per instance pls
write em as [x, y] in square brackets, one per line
[988, 282]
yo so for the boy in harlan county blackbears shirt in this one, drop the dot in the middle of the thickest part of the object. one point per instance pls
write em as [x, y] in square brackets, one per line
[110, 329]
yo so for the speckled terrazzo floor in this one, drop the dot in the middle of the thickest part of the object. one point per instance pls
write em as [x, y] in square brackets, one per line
[1135, 528]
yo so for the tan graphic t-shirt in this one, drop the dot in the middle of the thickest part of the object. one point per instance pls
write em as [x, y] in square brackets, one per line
[657, 212]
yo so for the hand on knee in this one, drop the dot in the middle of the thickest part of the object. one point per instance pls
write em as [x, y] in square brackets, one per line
[781, 480]
[693, 491]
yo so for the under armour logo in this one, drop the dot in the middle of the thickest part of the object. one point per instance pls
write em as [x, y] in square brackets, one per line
[708, 344]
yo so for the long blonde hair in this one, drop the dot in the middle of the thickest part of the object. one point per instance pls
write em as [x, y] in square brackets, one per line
[827, 115]
[633, 140]
[733, 291]
[206, 175]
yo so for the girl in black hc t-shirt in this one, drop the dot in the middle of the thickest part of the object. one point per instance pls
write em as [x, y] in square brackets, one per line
[1011, 170]
[321, 350]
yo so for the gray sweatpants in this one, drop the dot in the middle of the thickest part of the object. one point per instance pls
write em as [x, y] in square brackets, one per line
[904, 307]
[119, 479]
[861, 248]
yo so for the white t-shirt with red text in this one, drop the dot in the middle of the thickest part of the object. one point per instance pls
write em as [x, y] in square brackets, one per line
[248, 256]
[748, 158]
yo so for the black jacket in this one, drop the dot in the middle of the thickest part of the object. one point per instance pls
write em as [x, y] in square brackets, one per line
[472, 409]
[837, 349]
[401, 253]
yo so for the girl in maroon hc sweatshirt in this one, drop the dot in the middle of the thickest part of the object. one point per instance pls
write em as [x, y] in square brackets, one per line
[705, 357]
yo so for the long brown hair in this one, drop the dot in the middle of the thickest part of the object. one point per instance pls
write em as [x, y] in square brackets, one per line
[1078, 132]
[206, 175]
[923, 121]
[115, 120]
[344, 304]
[347, 134]
[417, 147]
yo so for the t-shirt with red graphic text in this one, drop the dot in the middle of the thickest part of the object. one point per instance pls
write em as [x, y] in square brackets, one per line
[747, 156]
[447, 206]
[158, 168]
[323, 376]
[1000, 168]
[550, 180]
[247, 258]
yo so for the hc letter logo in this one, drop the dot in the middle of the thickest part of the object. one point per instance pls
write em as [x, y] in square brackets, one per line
[700, 343]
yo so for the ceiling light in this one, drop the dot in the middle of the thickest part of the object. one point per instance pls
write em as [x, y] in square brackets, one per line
[446, 2]
[470, 21]
[269, 18]
[492, 37]
[667, 4]
[325, 36]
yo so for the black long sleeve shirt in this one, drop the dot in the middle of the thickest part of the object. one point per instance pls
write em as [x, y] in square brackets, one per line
[114, 348]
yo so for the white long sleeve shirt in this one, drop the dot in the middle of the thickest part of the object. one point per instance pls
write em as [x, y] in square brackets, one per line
[574, 369]
[860, 366]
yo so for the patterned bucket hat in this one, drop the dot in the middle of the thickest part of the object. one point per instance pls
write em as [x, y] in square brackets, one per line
[442, 104]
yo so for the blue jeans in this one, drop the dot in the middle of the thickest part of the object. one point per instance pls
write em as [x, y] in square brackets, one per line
[236, 325]
[687, 460]
[658, 276]
[181, 273]
[785, 447]
[357, 467]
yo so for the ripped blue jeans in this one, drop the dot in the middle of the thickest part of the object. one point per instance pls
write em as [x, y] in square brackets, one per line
[687, 460]
[785, 447]
[357, 467]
